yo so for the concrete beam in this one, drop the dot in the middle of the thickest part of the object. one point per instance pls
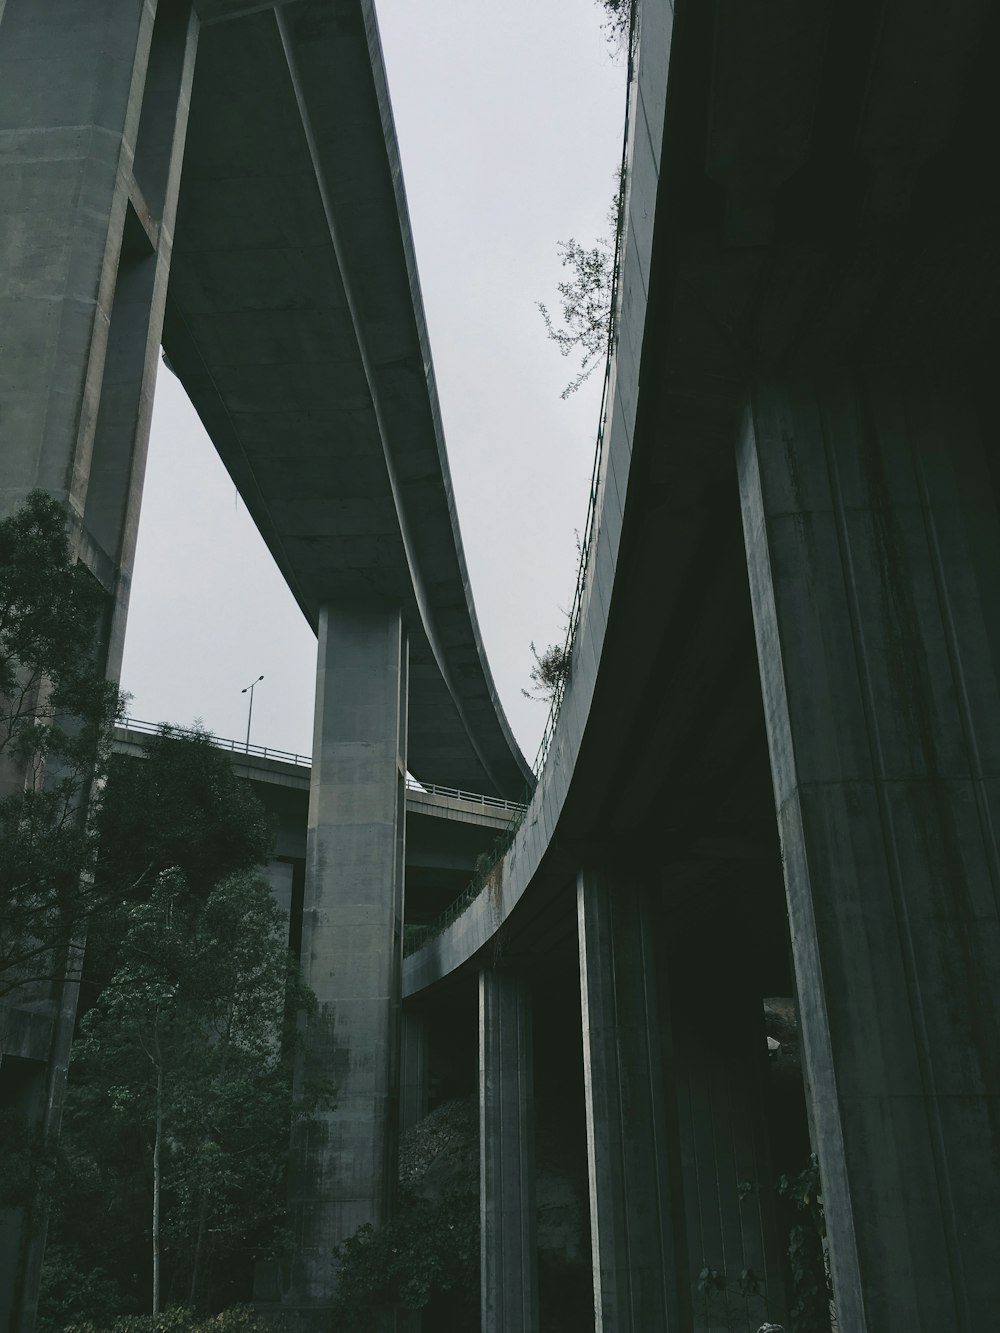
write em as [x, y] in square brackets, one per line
[873, 546]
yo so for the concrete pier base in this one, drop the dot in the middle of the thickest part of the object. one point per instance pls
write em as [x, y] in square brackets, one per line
[509, 1300]
[873, 548]
[343, 1161]
[635, 1197]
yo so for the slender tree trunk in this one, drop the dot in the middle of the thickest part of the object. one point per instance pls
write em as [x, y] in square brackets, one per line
[198, 1247]
[157, 1141]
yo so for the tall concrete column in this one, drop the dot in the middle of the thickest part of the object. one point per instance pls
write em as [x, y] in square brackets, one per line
[509, 1293]
[344, 1161]
[414, 1073]
[873, 549]
[93, 116]
[719, 1050]
[635, 1192]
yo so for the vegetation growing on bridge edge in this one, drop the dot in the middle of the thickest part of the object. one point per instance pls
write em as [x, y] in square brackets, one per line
[550, 672]
[585, 298]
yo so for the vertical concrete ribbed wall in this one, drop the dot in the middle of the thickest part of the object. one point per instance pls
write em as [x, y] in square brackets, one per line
[873, 549]
[509, 1293]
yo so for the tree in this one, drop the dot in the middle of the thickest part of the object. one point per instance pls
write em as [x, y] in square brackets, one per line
[182, 1075]
[56, 715]
[550, 672]
[182, 807]
[586, 299]
[618, 19]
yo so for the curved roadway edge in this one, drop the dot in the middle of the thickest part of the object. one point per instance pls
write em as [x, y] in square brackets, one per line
[492, 711]
[332, 198]
[538, 835]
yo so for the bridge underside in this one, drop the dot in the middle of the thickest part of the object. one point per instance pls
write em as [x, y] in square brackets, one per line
[293, 319]
[789, 608]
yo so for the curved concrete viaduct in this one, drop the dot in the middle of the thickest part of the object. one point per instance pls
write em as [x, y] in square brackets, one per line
[787, 608]
[775, 769]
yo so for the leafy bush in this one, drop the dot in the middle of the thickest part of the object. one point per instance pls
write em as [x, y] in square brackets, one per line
[72, 1289]
[426, 1252]
[238, 1319]
[550, 672]
[812, 1292]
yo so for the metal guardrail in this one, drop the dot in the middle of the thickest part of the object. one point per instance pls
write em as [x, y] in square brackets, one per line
[305, 761]
[237, 747]
[590, 524]
[472, 798]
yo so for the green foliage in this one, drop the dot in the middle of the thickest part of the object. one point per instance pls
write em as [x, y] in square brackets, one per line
[72, 1289]
[56, 713]
[179, 1319]
[186, 1057]
[618, 19]
[811, 1289]
[550, 672]
[182, 807]
[586, 298]
[26, 1163]
[426, 1252]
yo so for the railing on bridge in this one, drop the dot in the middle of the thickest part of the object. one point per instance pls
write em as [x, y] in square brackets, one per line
[237, 747]
[305, 761]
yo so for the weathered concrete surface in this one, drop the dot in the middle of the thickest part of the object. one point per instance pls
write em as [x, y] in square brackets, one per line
[414, 1069]
[509, 1291]
[810, 192]
[295, 322]
[636, 1226]
[93, 115]
[873, 545]
[343, 1167]
[719, 1063]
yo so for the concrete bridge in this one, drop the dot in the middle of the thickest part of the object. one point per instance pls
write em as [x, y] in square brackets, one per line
[774, 770]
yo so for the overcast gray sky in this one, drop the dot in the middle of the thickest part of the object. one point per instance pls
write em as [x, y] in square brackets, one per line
[509, 117]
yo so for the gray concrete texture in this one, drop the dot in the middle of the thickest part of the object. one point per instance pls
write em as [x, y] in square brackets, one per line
[343, 1165]
[871, 541]
[508, 1213]
[870, 518]
[633, 1158]
[295, 322]
[873, 545]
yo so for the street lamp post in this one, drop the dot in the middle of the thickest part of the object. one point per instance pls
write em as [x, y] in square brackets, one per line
[251, 689]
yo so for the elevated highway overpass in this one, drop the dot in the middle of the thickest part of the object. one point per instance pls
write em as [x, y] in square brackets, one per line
[774, 767]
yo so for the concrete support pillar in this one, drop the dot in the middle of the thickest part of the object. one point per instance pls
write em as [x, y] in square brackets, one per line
[93, 116]
[729, 1197]
[506, 1155]
[873, 549]
[87, 92]
[344, 1161]
[635, 1197]
[414, 1071]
